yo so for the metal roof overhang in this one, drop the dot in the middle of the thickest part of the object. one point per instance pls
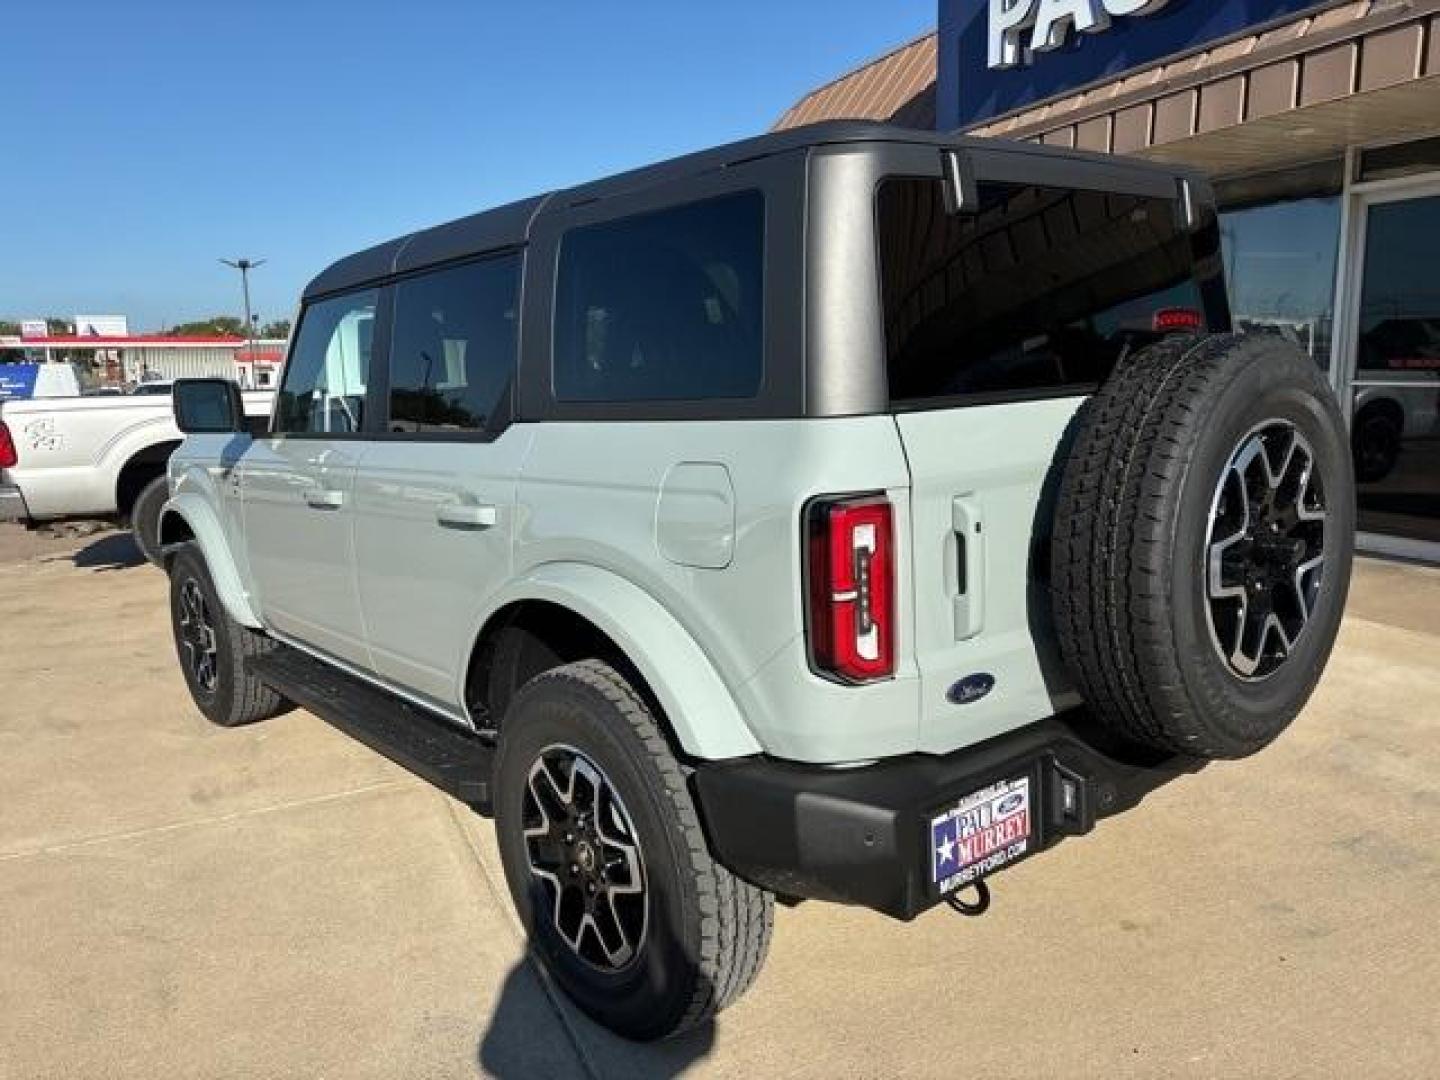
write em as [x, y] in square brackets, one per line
[1312, 133]
[1360, 73]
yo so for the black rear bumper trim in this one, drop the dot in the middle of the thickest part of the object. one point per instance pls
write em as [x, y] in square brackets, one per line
[859, 836]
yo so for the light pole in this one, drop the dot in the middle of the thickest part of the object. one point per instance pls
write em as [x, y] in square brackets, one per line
[245, 266]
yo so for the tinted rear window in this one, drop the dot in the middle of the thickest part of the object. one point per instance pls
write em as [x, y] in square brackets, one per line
[452, 349]
[1041, 291]
[666, 306]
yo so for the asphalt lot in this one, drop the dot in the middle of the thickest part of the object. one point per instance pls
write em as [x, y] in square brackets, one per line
[180, 900]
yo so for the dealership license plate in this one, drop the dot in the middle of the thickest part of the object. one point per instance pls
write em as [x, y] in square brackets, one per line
[981, 833]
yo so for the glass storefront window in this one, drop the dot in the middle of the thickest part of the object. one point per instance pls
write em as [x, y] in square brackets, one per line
[1280, 260]
[1404, 159]
[1395, 431]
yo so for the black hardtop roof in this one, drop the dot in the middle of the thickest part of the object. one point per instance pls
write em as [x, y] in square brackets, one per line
[509, 225]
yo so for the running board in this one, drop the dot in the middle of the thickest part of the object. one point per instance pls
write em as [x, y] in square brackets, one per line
[456, 762]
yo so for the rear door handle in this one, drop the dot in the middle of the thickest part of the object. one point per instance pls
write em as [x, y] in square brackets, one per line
[324, 499]
[466, 516]
[968, 600]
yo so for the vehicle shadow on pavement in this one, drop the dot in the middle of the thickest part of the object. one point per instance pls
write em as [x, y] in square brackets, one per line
[531, 1026]
[112, 551]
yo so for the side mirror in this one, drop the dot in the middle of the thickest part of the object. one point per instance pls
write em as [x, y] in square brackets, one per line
[208, 407]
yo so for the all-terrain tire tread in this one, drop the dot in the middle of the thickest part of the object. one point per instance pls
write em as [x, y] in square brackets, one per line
[1110, 567]
[737, 918]
[145, 519]
[250, 699]
[254, 700]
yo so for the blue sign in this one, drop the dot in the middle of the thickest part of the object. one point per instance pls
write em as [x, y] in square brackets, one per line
[18, 380]
[997, 56]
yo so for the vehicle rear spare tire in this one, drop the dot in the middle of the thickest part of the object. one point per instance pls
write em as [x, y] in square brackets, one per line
[1203, 538]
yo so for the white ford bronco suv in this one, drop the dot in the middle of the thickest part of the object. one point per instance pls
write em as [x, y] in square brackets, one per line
[844, 514]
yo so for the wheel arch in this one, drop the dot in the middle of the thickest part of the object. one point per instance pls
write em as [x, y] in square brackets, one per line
[142, 466]
[566, 611]
[187, 518]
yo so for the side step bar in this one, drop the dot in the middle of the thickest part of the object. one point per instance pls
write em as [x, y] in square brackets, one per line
[456, 762]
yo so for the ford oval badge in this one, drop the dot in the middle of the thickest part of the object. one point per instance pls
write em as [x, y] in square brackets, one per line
[971, 688]
[1010, 804]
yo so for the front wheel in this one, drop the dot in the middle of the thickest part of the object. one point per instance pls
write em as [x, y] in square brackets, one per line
[608, 865]
[217, 654]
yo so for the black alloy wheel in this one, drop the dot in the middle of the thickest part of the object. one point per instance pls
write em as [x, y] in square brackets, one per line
[1265, 549]
[582, 845]
[217, 655]
[196, 631]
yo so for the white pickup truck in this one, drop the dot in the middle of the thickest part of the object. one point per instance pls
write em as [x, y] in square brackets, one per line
[93, 457]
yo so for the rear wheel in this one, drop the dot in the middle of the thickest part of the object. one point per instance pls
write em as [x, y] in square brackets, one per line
[608, 865]
[145, 518]
[216, 653]
[1203, 541]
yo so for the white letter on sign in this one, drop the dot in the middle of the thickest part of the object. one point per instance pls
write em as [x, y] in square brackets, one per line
[1054, 17]
[1008, 20]
[1134, 7]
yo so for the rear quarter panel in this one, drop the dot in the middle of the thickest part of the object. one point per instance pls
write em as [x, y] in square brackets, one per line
[590, 493]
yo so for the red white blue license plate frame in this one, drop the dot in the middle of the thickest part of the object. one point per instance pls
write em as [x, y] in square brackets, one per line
[982, 832]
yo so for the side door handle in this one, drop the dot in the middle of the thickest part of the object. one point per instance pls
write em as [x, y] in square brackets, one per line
[324, 499]
[466, 516]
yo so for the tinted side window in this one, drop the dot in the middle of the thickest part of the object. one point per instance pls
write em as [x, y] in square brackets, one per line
[452, 346]
[324, 385]
[1041, 290]
[666, 306]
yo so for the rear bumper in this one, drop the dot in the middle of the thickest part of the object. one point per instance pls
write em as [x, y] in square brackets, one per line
[12, 504]
[861, 836]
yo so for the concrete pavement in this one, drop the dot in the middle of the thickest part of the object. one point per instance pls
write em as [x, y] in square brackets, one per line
[180, 900]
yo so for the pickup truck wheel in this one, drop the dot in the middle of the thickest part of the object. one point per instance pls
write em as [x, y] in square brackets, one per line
[1377, 434]
[145, 519]
[1203, 539]
[607, 862]
[216, 653]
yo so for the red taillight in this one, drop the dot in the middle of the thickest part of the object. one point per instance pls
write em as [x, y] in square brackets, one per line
[851, 557]
[1177, 318]
[8, 457]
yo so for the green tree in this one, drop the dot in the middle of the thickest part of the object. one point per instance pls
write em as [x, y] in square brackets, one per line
[8, 328]
[279, 328]
[215, 326]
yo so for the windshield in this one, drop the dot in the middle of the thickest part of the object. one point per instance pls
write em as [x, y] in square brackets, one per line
[1041, 290]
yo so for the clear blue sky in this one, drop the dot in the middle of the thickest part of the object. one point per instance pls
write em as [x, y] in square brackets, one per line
[147, 138]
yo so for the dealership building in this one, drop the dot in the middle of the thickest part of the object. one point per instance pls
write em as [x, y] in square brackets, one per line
[132, 359]
[1319, 124]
